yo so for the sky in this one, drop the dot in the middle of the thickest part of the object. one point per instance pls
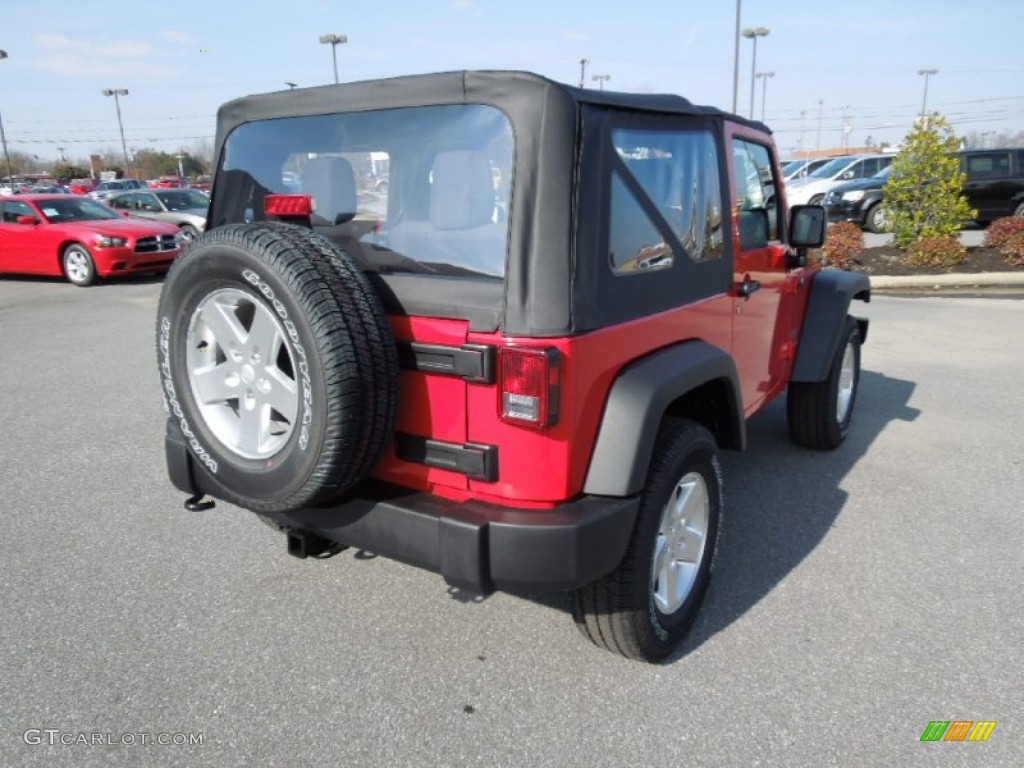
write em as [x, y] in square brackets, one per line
[835, 64]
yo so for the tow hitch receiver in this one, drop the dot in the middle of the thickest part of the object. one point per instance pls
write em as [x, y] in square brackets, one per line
[303, 545]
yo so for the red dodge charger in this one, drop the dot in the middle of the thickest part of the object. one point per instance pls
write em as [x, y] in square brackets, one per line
[80, 238]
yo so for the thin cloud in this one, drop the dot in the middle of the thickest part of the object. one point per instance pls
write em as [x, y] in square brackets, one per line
[571, 35]
[110, 49]
[178, 37]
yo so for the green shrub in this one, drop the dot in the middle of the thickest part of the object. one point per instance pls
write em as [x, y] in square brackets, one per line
[1001, 230]
[942, 252]
[923, 194]
[843, 243]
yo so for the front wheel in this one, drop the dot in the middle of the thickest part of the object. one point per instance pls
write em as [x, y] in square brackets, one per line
[645, 606]
[820, 413]
[875, 221]
[188, 232]
[78, 265]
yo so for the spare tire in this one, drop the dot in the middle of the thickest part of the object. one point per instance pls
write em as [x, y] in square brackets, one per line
[277, 362]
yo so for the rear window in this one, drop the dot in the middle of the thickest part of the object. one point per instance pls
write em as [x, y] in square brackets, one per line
[418, 190]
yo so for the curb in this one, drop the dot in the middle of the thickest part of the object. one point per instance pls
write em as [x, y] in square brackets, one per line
[951, 280]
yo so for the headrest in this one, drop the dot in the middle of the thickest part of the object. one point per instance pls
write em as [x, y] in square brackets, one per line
[332, 184]
[462, 195]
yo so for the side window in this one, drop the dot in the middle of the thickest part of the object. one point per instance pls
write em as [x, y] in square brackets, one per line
[991, 165]
[755, 201]
[666, 200]
[121, 202]
[12, 210]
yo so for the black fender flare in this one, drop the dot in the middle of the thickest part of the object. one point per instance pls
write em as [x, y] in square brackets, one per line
[637, 402]
[831, 292]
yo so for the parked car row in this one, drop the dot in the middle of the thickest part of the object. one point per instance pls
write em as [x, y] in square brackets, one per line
[811, 189]
[994, 187]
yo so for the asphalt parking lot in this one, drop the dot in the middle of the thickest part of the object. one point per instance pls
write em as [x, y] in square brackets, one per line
[859, 594]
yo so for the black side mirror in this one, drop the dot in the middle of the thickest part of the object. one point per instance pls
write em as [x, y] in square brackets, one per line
[806, 226]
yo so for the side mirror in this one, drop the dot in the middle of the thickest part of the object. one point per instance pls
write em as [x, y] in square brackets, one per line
[28, 221]
[806, 226]
[126, 214]
[848, 175]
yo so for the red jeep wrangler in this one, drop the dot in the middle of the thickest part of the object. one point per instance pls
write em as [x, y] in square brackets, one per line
[515, 364]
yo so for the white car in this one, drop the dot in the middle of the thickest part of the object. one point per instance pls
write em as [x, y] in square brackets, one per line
[811, 189]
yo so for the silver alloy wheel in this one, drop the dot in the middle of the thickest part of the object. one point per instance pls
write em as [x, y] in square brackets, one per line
[242, 371]
[846, 383]
[76, 265]
[679, 546]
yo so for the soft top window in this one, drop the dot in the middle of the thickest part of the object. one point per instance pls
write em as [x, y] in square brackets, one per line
[419, 189]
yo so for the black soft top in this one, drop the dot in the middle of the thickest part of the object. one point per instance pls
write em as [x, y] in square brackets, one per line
[548, 290]
[495, 87]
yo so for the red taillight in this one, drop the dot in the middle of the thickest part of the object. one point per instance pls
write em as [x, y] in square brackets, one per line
[528, 384]
[288, 205]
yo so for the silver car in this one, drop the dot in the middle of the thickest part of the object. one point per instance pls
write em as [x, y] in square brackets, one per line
[185, 208]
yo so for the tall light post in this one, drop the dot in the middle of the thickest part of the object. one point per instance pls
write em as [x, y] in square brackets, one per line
[117, 93]
[601, 79]
[753, 33]
[764, 89]
[927, 73]
[583, 71]
[736, 60]
[334, 41]
[3, 137]
[821, 114]
[291, 85]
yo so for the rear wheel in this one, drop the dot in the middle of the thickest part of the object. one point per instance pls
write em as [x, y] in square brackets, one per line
[1019, 210]
[820, 413]
[78, 265]
[645, 606]
[277, 364]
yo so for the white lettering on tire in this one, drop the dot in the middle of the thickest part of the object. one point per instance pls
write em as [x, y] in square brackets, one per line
[171, 398]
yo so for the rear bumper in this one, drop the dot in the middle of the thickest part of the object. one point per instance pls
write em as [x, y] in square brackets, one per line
[474, 545]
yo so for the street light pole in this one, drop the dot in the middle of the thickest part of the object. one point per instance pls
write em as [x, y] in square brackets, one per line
[333, 41]
[583, 71]
[764, 89]
[927, 73]
[116, 93]
[753, 33]
[3, 137]
[291, 85]
[601, 79]
[736, 60]
[821, 113]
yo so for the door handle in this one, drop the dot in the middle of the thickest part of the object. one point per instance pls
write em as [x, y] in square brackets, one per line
[747, 287]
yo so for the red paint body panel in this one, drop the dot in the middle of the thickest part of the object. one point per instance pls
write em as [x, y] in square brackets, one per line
[428, 406]
[550, 465]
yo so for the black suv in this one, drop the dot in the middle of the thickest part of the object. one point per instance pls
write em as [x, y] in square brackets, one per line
[995, 182]
[516, 363]
[859, 201]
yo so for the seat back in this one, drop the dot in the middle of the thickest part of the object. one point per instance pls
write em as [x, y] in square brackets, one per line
[331, 183]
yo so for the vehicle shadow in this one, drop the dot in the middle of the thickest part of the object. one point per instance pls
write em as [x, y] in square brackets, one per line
[780, 502]
[141, 278]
